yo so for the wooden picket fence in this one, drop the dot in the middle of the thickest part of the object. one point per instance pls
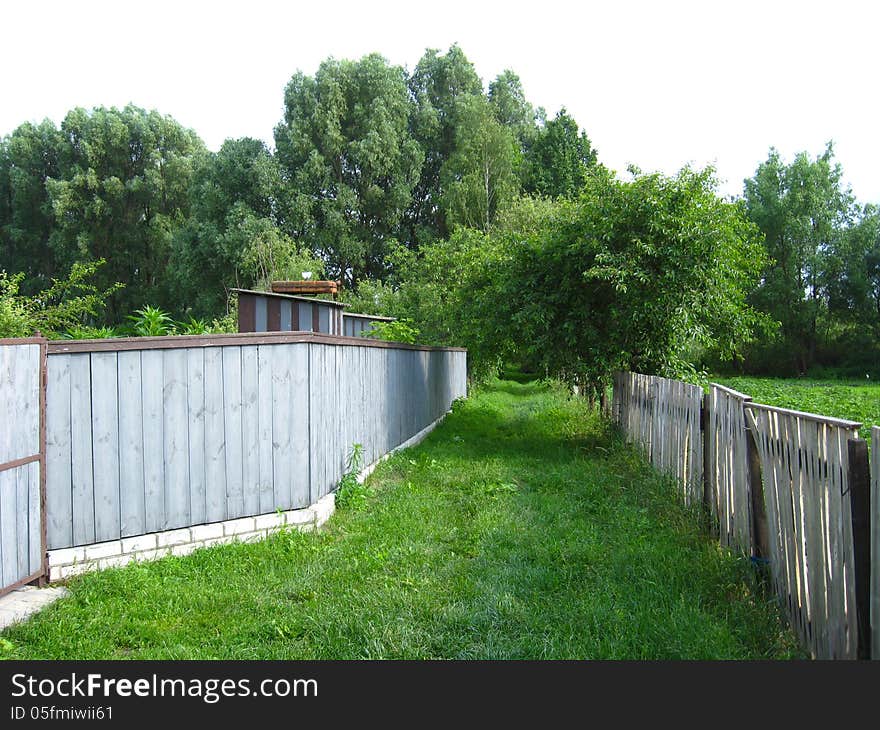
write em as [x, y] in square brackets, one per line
[779, 485]
[804, 467]
[727, 467]
[663, 417]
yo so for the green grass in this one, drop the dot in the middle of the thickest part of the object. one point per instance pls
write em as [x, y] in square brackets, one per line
[522, 528]
[854, 400]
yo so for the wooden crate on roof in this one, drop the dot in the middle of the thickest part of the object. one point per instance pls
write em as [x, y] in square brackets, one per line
[302, 288]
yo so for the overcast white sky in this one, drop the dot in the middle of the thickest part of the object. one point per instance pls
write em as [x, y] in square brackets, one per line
[657, 84]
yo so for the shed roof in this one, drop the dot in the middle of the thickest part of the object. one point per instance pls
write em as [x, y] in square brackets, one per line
[290, 296]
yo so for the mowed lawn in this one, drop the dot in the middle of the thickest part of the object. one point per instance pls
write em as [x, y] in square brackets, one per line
[854, 400]
[521, 528]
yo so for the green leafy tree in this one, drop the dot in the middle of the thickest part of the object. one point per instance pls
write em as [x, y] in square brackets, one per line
[559, 159]
[122, 187]
[232, 238]
[803, 210]
[28, 158]
[511, 109]
[349, 162]
[479, 177]
[438, 85]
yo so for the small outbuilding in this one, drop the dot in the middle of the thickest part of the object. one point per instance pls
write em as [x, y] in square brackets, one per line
[260, 311]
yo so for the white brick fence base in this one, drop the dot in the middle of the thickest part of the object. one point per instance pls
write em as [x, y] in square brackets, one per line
[68, 562]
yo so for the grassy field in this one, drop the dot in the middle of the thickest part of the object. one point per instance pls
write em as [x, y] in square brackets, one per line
[522, 528]
[855, 400]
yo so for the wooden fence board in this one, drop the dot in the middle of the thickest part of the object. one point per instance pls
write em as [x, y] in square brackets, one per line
[215, 438]
[282, 414]
[195, 416]
[152, 384]
[59, 494]
[266, 481]
[105, 445]
[250, 429]
[81, 450]
[232, 421]
[175, 438]
[131, 443]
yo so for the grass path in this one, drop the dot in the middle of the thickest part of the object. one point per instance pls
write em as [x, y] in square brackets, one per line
[522, 528]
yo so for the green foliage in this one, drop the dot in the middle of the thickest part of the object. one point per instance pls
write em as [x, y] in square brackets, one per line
[479, 176]
[84, 332]
[65, 304]
[350, 493]
[804, 212]
[629, 275]
[151, 322]
[440, 86]
[400, 330]
[192, 326]
[558, 159]
[348, 161]
[122, 188]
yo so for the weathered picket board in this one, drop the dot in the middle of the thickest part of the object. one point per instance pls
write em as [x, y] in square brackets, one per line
[662, 417]
[21, 533]
[727, 480]
[804, 465]
[875, 542]
[150, 439]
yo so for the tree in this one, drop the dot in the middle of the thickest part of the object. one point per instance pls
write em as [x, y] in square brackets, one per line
[438, 86]
[508, 101]
[479, 176]
[28, 158]
[628, 275]
[349, 163]
[122, 188]
[559, 159]
[231, 238]
[803, 210]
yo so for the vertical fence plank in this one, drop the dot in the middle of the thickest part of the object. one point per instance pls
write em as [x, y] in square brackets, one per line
[175, 433]
[264, 416]
[105, 445]
[215, 437]
[59, 494]
[195, 416]
[282, 454]
[152, 384]
[81, 450]
[232, 412]
[250, 429]
[131, 444]
[300, 425]
[35, 543]
[8, 528]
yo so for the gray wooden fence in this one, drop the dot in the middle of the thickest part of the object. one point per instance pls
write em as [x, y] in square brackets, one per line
[804, 468]
[805, 492]
[21, 526]
[147, 434]
[727, 467]
[662, 417]
[875, 542]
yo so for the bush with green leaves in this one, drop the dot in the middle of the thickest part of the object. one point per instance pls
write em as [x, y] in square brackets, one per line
[400, 330]
[66, 304]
